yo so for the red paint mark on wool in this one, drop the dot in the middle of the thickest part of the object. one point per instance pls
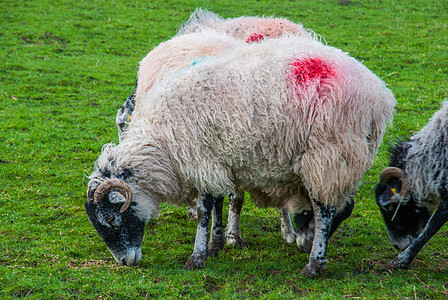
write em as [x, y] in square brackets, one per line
[255, 38]
[310, 69]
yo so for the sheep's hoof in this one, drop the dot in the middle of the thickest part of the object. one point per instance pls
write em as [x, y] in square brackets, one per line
[396, 264]
[313, 270]
[215, 245]
[235, 241]
[289, 238]
[195, 262]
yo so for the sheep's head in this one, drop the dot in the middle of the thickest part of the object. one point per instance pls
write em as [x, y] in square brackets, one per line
[404, 218]
[110, 210]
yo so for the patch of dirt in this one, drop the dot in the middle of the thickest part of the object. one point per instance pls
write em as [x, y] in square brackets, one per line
[89, 263]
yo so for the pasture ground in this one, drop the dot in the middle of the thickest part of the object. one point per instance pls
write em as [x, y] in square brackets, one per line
[67, 66]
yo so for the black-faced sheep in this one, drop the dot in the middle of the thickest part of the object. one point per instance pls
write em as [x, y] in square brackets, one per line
[289, 113]
[415, 186]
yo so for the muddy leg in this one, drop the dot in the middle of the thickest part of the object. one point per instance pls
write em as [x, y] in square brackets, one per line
[216, 242]
[199, 255]
[288, 233]
[233, 232]
[323, 217]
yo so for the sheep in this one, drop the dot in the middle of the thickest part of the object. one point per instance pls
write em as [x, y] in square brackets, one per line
[249, 29]
[188, 46]
[255, 29]
[412, 193]
[193, 41]
[289, 114]
[171, 56]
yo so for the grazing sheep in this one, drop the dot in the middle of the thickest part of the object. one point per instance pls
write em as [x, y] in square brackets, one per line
[413, 191]
[207, 34]
[289, 113]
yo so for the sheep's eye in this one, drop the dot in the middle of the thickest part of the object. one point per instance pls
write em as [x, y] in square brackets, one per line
[110, 219]
[121, 125]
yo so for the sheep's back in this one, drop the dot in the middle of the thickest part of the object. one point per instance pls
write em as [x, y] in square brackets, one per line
[178, 53]
[249, 116]
[427, 159]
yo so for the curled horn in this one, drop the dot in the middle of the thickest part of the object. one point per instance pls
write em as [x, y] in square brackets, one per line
[390, 172]
[114, 184]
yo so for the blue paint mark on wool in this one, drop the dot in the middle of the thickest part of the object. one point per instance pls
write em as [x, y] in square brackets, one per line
[199, 60]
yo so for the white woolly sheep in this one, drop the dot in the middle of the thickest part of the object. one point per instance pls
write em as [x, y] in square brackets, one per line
[413, 187]
[289, 113]
[188, 45]
[195, 40]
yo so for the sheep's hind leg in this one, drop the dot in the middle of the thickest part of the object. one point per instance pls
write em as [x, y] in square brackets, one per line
[304, 230]
[440, 217]
[216, 242]
[204, 209]
[288, 233]
[323, 217]
[342, 215]
[233, 231]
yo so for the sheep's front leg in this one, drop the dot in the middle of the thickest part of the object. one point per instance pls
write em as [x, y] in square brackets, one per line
[204, 209]
[436, 222]
[217, 236]
[233, 232]
[288, 233]
[323, 217]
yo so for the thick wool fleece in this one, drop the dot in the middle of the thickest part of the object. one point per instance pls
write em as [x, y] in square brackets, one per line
[249, 29]
[427, 159]
[245, 121]
[179, 53]
[207, 34]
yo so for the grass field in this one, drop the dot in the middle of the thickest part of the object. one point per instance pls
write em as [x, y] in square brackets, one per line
[67, 66]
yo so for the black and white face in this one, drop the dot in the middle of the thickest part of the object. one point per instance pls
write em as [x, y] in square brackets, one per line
[404, 219]
[122, 232]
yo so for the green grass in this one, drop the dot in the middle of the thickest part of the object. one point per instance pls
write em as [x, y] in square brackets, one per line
[67, 66]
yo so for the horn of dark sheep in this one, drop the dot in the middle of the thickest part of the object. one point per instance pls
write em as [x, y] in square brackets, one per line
[114, 185]
[390, 172]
